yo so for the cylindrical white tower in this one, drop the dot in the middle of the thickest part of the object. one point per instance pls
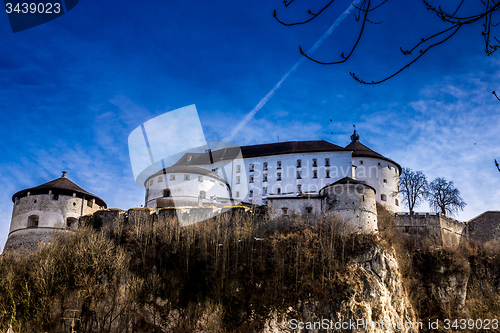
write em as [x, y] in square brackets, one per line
[377, 171]
[40, 211]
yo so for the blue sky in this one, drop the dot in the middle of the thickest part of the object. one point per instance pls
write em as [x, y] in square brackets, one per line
[73, 89]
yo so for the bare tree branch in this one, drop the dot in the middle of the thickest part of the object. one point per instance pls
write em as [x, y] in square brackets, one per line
[492, 43]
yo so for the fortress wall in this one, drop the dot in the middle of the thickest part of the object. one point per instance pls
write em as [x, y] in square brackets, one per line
[30, 239]
[423, 224]
[441, 229]
[141, 215]
[109, 217]
[452, 231]
[485, 227]
[293, 205]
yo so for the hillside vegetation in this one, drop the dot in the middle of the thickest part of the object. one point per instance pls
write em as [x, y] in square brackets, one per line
[228, 274]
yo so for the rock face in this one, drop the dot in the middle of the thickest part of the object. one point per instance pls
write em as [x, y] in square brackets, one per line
[377, 303]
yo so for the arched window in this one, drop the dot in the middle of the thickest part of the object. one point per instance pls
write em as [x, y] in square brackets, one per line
[33, 221]
[70, 222]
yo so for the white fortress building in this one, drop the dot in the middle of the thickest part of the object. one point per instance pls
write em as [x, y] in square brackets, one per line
[277, 172]
[52, 207]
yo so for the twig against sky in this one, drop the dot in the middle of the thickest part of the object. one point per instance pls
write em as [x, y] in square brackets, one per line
[270, 94]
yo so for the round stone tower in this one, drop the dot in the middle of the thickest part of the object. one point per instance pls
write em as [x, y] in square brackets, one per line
[352, 203]
[52, 207]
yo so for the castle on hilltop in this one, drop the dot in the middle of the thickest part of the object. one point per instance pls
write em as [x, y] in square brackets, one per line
[309, 178]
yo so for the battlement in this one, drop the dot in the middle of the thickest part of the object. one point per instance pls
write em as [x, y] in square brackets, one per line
[442, 229]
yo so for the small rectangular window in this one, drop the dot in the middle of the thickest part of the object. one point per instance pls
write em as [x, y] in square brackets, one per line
[237, 194]
[215, 170]
[264, 177]
[397, 202]
[279, 191]
[264, 189]
[383, 197]
[278, 165]
[160, 179]
[389, 167]
[327, 162]
[250, 193]
[200, 178]
[315, 162]
[237, 179]
[251, 179]
[56, 197]
[299, 163]
[278, 176]
[265, 166]
[166, 192]
[251, 167]
[298, 175]
[90, 203]
[315, 173]
[361, 162]
[238, 168]
[309, 210]
[299, 188]
[172, 177]
[327, 174]
[385, 180]
[186, 177]
[150, 182]
[284, 210]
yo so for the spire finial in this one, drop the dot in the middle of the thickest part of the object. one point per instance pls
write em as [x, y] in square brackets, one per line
[64, 174]
[354, 136]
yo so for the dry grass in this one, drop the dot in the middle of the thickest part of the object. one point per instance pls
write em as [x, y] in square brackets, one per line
[226, 274]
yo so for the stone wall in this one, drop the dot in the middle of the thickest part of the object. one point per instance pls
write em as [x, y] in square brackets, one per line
[485, 227]
[442, 229]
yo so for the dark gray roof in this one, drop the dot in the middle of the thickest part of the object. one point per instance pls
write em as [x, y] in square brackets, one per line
[61, 185]
[279, 148]
[349, 180]
[360, 150]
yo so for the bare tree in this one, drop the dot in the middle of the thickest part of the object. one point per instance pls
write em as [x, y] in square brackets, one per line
[460, 15]
[444, 197]
[413, 188]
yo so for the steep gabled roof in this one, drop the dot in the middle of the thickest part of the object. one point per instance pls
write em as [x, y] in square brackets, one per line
[61, 185]
[349, 180]
[360, 150]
